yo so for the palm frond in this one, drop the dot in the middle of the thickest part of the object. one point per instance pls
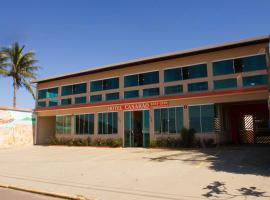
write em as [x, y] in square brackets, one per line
[19, 65]
[28, 87]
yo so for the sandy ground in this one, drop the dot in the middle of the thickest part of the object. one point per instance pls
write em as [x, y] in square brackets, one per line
[137, 173]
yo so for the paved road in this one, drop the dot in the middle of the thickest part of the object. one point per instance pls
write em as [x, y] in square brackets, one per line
[9, 194]
[236, 173]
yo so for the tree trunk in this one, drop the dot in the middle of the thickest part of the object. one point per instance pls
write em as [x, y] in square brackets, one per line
[14, 92]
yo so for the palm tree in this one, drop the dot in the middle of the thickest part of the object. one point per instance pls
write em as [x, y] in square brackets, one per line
[19, 66]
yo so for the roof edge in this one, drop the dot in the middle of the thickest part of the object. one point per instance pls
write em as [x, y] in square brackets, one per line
[165, 56]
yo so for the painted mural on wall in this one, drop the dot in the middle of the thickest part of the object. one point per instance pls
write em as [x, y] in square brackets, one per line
[16, 128]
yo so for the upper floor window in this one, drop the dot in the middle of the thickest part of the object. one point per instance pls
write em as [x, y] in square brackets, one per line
[141, 79]
[95, 98]
[79, 100]
[106, 84]
[173, 74]
[131, 94]
[194, 71]
[53, 103]
[41, 104]
[225, 83]
[112, 96]
[73, 89]
[66, 101]
[245, 64]
[255, 80]
[174, 89]
[151, 92]
[48, 93]
[200, 86]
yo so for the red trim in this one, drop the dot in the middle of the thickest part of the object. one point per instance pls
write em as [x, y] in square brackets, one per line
[163, 98]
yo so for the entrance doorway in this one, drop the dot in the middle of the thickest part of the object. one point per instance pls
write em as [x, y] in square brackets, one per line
[247, 121]
[136, 128]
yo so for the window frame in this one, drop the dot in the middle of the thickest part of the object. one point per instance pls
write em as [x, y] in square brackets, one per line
[138, 79]
[70, 128]
[168, 120]
[103, 79]
[200, 105]
[234, 58]
[107, 119]
[75, 129]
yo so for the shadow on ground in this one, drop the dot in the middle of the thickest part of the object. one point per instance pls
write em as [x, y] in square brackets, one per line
[218, 190]
[240, 160]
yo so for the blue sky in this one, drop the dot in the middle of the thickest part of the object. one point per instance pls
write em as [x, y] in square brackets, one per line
[73, 35]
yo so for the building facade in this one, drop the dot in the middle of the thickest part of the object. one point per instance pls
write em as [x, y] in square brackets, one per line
[221, 91]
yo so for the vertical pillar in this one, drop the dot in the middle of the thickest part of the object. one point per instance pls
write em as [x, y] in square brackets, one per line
[185, 113]
[72, 124]
[210, 76]
[121, 124]
[151, 124]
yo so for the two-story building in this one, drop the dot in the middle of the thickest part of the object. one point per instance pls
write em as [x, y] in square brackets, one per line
[221, 91]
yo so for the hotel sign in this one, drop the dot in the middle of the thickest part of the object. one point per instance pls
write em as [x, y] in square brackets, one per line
[138, 106]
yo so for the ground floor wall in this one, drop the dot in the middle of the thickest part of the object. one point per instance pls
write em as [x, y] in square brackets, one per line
[46, 120]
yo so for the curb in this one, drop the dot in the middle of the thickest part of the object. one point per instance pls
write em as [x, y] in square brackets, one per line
[57, 195]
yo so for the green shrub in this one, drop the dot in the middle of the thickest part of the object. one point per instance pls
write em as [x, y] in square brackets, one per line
[111, 142]
[118, 142]
[153, 143]
[166, 142]
[188, 137]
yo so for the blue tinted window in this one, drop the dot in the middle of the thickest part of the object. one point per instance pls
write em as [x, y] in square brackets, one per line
[53, 103]
[52, 92]
[151, 92]
[42, 94]
[95, 98]
[251, 63]
[201, 118]
[207, 118]
[172, 74]
[79, 100]
[200, 86]
[41, 104]
[223, 67]
[131, 80]
[84, 124]
[79, 88]
[168, 120]
[175, 89]
[96, 86]
[194, 113]
[112, 83]
[225, 83]
[149, 78]
[112, 96]
[141, 79]
[66, 90]
[108, 123]
[106, 84]
[255, 80]
[65, 101]
[194, 71]
[131, 94]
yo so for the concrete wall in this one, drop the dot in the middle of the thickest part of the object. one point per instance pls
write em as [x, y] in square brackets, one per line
[16, 127]
[45, 129]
